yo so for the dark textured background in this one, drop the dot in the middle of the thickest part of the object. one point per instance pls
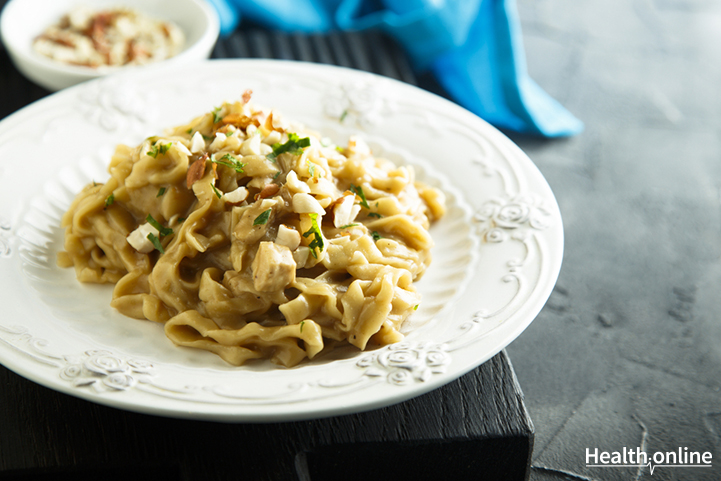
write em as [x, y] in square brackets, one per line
[628, 349]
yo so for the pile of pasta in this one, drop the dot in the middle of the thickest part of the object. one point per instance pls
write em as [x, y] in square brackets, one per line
[251, 237]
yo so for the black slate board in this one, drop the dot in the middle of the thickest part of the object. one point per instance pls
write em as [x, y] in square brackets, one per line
[473, 428]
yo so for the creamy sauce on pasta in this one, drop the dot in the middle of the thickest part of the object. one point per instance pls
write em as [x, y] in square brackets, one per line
[252, 237]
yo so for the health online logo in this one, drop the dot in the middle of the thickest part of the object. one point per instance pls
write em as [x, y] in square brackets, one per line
[683, 458]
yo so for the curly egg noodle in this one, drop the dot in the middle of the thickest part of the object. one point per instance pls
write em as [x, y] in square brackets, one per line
[252, 237]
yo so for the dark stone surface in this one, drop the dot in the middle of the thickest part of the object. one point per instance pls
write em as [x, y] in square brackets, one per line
[628, 349]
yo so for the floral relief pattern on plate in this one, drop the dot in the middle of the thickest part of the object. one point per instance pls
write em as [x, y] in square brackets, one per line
[4, 237]
[361, 103]
[116, 105]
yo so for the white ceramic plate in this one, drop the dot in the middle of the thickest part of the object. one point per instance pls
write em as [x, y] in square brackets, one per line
[497, 255]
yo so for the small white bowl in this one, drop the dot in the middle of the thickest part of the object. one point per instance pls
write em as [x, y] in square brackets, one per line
[23, 20]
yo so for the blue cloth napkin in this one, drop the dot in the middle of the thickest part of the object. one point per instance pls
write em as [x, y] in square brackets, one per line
[473, 47]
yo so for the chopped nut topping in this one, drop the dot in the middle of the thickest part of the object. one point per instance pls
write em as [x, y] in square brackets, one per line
[246, 96]
[269, 191]
[196, 170]
[241, 121]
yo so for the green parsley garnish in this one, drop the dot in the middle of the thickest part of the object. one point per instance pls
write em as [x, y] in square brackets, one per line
[339, 149]
[262, 218]
[161, 192]
[311, 168]
[344, 115]
[181, 219]
[159, 149]
[217, 192]
[415, 308]
[301, 325]
[162, 230]
[216, 115]
[317, 235]
[376, 236]
[156, 242]
[229, 160]
[347, 226]
[374, 214]
[189, 131]
[295, 146]
[229, 133]
[358, 190]
[110, 199]
[206, 137]
[276, 175]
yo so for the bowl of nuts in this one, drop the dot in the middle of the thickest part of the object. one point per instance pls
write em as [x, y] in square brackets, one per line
[59, 43]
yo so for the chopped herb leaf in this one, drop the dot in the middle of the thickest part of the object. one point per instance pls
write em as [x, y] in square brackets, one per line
[295, 146]
[229, 160]
[358, 190]
[159, 149]
[374, 214]
[156, 243]
[181, 219]
[95, 183]
[301, 325]
[311, 168]
[207, 137]
[276, 175]
[217, 192]
[376, 236]
[262, 219]
[229, 133]
[317, 235]
[189, 131]
[347, 226]
[339, 149]
[162, 230]
[415, 308]
[343, 115]
[216, 115]
[161, 192]
[109, 200]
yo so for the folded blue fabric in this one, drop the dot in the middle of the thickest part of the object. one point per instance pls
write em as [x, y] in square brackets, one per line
[473, 47]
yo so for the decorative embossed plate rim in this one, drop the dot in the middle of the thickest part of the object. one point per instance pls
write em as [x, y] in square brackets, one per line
[497, 257]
